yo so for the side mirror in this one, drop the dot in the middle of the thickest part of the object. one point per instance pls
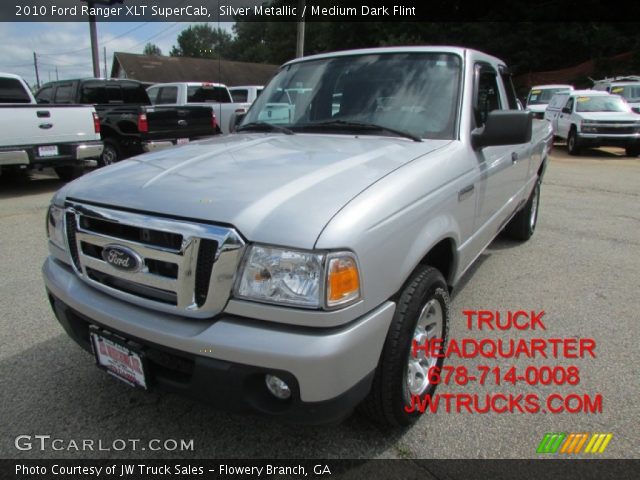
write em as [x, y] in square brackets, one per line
[503, 127]
[566, 110]
[235, 120]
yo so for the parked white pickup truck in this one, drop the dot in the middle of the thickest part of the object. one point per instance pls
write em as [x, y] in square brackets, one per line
[37, 136]
[215, 95]
[592, 118]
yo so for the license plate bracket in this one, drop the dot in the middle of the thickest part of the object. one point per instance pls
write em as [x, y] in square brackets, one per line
[119, 358]
[182, 141]
[48, 151]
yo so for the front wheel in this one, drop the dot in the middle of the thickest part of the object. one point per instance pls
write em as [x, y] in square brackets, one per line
[572, 143]
[403, 378]
[69, 172]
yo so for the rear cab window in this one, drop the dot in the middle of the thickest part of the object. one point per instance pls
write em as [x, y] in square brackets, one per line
[240, 96]
[209, 94]
[100, 93]
[12, 91]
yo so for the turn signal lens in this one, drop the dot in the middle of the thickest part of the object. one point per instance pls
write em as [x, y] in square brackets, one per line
[343, 280]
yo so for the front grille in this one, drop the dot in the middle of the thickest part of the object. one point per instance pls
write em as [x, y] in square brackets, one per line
[178, 266]
[617, 130]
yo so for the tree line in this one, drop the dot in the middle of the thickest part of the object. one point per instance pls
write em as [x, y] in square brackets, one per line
[526, 46]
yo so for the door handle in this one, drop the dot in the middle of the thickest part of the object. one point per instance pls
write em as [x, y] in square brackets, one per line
[465, 192]
[43, 114]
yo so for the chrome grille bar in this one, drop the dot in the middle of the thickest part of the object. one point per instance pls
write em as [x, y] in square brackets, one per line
[203, 281]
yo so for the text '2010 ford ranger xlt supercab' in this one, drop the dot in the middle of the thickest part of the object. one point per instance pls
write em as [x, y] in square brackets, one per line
[288, 269]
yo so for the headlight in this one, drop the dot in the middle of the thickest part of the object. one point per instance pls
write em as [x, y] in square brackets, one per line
[589, 126]
[55, 226]
[298, 278]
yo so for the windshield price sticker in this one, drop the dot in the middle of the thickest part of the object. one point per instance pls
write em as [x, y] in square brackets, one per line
[558, 357]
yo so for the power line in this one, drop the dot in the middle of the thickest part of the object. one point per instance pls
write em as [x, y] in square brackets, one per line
[103, 43]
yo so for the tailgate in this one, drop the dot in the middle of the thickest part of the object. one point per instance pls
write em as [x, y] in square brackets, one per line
[171, 122]
[43, 124]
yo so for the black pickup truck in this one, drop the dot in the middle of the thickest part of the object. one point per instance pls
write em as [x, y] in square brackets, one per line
[129, 124]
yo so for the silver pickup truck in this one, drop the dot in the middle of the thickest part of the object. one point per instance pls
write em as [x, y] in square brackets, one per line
[288, 268]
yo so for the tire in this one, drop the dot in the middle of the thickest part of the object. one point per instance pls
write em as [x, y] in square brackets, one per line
[110, 153]
[632, 151]
[573, 145]
[523, 224]
[69, 172]
[424, 299]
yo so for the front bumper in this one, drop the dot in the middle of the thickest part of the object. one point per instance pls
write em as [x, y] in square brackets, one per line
[224, 359]
[609, 140]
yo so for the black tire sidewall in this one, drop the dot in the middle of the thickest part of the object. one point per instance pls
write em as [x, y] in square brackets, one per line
[573, 139]
[111, 145]
[430, 286]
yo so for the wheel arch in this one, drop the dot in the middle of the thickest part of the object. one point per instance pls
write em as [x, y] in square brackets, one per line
[441, 254]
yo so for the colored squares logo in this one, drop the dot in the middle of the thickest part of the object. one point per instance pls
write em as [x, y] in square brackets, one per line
[572, 443]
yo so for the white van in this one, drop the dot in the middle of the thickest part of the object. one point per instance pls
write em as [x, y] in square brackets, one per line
[627, 87]
[540, 95]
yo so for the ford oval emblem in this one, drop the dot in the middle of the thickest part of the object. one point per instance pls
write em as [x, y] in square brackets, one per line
[122, 258]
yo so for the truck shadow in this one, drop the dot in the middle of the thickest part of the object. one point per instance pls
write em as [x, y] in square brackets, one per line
[56, 389]
[23, 184]
[560, 151]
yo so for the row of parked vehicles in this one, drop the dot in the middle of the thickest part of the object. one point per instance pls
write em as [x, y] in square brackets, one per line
[68, 122]
[607, 115]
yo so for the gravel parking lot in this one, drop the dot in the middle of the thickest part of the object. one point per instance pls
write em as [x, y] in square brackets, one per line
[581, 267]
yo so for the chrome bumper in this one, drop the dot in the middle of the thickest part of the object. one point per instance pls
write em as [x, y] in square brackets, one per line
[325, 362]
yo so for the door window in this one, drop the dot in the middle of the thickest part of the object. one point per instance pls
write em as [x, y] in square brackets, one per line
[64, 93]
[488, 95]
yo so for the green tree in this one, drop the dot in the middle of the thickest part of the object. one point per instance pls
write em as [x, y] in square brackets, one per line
[202, 41]
[151, 49]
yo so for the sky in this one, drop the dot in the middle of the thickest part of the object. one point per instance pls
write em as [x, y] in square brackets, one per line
[67, 46]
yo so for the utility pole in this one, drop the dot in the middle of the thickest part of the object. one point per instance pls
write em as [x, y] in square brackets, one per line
[95, 52]
[300, 37]
[94, 42]
[57, 73]
[35, 64]
[105, 61]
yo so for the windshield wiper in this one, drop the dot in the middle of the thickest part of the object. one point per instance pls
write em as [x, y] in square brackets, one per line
[264, 126]
[361, 126]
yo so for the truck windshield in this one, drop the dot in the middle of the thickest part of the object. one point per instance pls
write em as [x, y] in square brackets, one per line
[542, 96]
[417, 93]
[630, 92]
[601, 103]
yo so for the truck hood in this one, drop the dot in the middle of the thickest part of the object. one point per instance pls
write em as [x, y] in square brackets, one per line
[274, 188]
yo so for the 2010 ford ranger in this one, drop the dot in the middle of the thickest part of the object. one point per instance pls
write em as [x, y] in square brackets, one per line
[287, 268]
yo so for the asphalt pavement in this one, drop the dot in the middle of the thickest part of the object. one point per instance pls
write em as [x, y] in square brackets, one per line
[581, 267]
